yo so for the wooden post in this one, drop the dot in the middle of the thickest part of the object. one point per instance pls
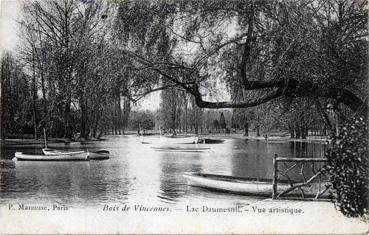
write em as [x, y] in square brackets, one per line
[275, 176]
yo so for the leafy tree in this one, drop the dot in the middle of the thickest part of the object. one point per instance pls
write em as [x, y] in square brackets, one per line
[216, 125]
[276, 51]
[142, 120]
[222, 122]
[171, 109]
[68, 48]
[196, 117]
[16, 101]
[348, 168]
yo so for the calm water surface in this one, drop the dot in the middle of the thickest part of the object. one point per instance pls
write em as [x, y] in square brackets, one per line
[136, 174]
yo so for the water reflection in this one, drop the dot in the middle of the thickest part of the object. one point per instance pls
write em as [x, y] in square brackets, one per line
[172, 185]
[137, 174]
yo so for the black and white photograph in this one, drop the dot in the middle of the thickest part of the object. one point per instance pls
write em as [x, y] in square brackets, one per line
[184, 117]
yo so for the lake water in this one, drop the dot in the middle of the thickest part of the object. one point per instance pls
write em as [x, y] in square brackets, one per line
[137, 174]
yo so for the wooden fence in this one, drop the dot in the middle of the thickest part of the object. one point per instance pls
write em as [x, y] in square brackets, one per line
[308, 182]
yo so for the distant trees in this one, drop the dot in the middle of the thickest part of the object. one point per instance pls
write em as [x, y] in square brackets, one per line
[216, 125]
[196, 117]
[179, 113]
[222, 122]
[142, 121]
[171, 108]
[16, 99]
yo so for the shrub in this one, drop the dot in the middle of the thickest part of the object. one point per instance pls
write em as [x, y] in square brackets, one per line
[348, 168]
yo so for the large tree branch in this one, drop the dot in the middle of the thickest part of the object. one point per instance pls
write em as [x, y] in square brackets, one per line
[323, 114]
[217, 105]
[137, 97]
[290, 88]
[293, 88]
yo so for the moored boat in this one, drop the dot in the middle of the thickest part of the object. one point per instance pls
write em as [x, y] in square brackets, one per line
[181, 149]
[81, 156]
[53, 152]
[99, 155]
[241, 185]
[208, 141]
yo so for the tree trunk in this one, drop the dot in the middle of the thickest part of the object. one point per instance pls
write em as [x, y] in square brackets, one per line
[119, 122]
[67, 121]
[46, 115]
[115, 118]
[174, 123]
[185, 113]
[246, 128]
[298, 132]
[96, 123]
[84, 118]
[2, 99]
[292, 132]
[303, 131]
[34, 96]
[126, 112]
[41, 71]
[257, 130]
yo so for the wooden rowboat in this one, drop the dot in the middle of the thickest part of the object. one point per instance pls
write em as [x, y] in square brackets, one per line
[82, 156]
[181, 149]
[53, 152]
[241, 185]
[208, 141]
[99, 155]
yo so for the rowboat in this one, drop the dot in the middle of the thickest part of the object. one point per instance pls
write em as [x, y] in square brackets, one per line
[181, 149]
[53, 152]
[241, 185]
[99, 155]
[208, 141]
[82, 156]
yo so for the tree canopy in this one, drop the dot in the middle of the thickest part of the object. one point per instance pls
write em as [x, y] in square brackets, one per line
[261, 50]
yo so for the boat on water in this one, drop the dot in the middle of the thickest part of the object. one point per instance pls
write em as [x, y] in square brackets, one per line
[242, 185]
[53, 155]
[181, 149]
[49, 151]
[208, 141]
[94, 155]
[80, 156]
[99, 155]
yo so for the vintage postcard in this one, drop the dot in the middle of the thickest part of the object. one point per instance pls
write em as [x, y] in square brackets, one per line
[184, 117]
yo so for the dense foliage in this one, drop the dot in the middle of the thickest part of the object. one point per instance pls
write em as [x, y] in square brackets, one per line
[142, 121]
[348, 168]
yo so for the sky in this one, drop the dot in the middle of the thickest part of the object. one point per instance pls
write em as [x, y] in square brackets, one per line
[9, 12]
[149, 102]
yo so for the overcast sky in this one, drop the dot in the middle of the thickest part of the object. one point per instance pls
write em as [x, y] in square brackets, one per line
[8, 26]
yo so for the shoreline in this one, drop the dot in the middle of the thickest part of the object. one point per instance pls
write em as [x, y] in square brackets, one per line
[272, 139]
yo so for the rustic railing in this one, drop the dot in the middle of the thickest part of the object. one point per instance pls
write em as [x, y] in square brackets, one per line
[310, 185]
